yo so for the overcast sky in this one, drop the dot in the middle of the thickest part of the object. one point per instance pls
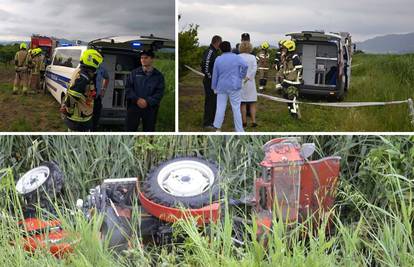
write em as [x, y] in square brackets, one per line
[86, 19]
[268, 20]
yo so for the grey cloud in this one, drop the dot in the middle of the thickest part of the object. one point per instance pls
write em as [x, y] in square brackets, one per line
[269, 20]
[87, 20]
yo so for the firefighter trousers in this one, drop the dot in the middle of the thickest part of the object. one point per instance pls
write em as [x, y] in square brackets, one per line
[20, 80]
[35, 82]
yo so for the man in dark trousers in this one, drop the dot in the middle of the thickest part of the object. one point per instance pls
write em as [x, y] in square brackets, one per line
[210, 101]
[144, 91]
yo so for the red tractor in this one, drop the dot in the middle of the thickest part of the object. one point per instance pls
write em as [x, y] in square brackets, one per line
[187, 187]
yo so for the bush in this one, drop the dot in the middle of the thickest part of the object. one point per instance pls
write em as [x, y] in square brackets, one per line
[7, 53]
[189, 51]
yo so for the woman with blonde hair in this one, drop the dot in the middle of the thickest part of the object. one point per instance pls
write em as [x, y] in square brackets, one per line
[249, 92]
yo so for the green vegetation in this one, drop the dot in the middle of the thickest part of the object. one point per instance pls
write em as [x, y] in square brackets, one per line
[189, 51]
[40, 113]
[372, 221]
[374, 78]
[7, 53]
[166, 116]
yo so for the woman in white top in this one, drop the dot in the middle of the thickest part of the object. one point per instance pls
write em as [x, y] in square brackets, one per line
[249, 93]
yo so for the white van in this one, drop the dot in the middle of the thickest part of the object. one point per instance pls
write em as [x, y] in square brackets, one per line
[326, 60]
[121, 56]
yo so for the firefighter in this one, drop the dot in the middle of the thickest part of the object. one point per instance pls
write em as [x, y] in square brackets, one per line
[291, 72]
[20, 62]
[263, 64]
[277, 65]
[35, 65]
[77, 108]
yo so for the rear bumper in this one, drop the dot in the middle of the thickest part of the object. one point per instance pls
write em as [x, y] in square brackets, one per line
[112, 117]
[321, 91]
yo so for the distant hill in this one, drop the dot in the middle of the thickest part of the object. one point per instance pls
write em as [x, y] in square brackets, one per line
[11, 42]
[61, 41]
[389, 44]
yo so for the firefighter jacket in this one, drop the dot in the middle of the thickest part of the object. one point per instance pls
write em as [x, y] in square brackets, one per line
[20, 60]
[291, 69]
[35, 64]
[263, 59]
[80, 97]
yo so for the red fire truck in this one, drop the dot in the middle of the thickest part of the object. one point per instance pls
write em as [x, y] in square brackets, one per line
[48, 44]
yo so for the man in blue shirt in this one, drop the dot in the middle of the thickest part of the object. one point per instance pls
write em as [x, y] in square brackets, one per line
[228, 74]
[101, 83]
[144, 90]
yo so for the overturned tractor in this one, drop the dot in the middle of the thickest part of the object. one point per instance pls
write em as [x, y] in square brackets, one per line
[290, 186]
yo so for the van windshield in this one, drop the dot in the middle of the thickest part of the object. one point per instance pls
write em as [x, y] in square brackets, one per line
[67, 58]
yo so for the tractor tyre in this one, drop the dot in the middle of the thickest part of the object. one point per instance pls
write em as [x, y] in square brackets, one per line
[116, 230]
[49, 179]
[187, 182]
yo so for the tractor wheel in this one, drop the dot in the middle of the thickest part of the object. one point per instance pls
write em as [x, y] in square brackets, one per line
[116, 230]
[187, 182]
[43, 182]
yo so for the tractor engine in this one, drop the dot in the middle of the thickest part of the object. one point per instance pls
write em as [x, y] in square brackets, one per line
[292, 187]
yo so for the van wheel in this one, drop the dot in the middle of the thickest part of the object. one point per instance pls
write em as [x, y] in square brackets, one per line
[44, 86]
[341, 94]
[62, 100]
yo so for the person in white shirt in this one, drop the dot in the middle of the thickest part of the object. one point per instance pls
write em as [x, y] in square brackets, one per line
[249, 92]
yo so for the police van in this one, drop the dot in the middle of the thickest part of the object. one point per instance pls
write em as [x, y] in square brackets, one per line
[121, 56]
[326, 60]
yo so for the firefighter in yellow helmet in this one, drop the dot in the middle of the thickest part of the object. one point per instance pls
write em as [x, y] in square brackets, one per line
[263, 64]
[277, 65]
[291, 70]
[78, 103]
[20, 63]
[35, 65]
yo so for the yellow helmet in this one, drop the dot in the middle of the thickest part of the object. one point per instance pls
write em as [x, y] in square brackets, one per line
[265, 45]
[281, 42]
[91, 58]
[23, 46]
[36, 51]
[289, 45]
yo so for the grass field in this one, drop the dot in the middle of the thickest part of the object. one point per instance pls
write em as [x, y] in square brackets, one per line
[372, 222]
[40, 113]
[375, 78]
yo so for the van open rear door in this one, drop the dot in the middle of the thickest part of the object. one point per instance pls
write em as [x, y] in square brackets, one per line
[314, 36]
[121, 56]
[137, 43]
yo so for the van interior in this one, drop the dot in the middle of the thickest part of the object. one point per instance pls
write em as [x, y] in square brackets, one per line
[119, 65]
[320, 63]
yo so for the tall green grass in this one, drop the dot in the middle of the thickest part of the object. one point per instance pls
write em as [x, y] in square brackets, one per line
[374, 78]
[166, 117]
[372, 220]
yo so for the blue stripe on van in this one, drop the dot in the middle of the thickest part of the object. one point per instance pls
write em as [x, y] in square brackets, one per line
[62, 80]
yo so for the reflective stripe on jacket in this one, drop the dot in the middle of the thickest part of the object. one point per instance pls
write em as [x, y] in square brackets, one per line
[80, 97]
